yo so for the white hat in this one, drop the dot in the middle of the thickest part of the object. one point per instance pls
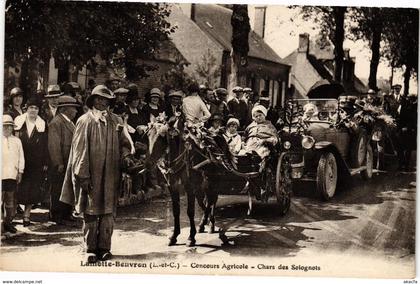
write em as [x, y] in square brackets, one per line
[155, 92]
[259, 108]
[8, 120]
[53, 91]
[233, 120]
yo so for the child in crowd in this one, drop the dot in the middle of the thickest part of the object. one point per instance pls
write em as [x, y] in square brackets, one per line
[216, 123]
[232, 137]
[13, 166]
[259, 133]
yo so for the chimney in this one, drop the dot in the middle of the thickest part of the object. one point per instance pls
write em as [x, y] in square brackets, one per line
[188, 10]
[304, 43]
[259, 21]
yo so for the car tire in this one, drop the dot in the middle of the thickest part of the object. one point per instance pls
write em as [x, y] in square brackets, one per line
[367, 174]
[283, 186]
[326, 177]
[358, 150]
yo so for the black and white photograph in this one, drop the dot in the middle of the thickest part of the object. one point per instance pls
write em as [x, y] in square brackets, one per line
[209, 139]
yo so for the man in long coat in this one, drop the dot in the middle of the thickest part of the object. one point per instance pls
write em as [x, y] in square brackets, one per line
[94, 169]
[60, 135]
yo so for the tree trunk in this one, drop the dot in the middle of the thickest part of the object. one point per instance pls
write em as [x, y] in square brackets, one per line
[374, 62]
[407, 76]
[234, 70]
[391, 80]
[339, 13]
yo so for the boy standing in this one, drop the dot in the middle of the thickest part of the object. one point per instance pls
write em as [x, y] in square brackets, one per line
[13, 166]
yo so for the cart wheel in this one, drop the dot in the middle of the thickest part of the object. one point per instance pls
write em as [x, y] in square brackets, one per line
[326, 176]
[283, 185]
[358, 150]
[367, 174]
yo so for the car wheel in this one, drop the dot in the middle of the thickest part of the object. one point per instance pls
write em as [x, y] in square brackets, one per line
[326, 179]
[358, 150]
[367, 174]
[283, 186]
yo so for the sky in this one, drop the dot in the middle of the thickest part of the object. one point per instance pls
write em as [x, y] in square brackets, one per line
[283, 26]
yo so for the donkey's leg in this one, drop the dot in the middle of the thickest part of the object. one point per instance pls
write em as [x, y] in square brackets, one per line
[191, 207]
[204, 219]
[249, 204]
[212, 214]
[176, 212]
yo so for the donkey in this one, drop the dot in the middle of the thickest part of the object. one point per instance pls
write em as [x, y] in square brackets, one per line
[184, 161]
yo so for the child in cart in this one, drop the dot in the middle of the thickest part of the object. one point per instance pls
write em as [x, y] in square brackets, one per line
[259, 134]
[232, 137]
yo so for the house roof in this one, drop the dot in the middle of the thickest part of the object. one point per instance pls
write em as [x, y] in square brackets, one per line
[324, 68]
[215, 21]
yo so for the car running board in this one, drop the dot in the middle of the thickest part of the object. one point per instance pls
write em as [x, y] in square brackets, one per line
[357, 170]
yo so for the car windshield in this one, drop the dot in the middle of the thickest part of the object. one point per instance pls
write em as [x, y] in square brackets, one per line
[313, 110]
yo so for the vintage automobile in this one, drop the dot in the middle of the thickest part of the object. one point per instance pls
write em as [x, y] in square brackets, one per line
[366, 112]
[324, 146]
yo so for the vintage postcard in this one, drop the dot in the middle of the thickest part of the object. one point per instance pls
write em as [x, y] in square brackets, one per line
[209, 139]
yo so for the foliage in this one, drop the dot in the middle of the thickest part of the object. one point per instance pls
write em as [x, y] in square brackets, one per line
[330, 20]
[402, 38]
[368, 24]
[176, 78]
[402, 41]
[75, 31]
[208, 70]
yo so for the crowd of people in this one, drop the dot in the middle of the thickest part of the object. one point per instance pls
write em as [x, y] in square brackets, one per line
[69, 147]
[64, 148]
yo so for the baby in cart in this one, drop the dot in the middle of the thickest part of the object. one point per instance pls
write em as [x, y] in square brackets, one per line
[259, 134]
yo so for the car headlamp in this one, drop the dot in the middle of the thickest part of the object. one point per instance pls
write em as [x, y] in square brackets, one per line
[308, 142]
[287, 145]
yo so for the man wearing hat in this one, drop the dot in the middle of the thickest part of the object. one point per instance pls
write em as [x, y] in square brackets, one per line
[93, 172]
[175, 102]
[13, 162]
[238, 107]
[220, 95]
[392, 102]
[60, 135]
[113, 82]
[120, 105]
[49, 110]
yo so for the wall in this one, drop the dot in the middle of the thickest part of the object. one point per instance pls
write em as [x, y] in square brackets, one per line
[190, 40]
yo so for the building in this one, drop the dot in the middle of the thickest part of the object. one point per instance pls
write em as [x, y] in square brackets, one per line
[203, 35]
[312, 62]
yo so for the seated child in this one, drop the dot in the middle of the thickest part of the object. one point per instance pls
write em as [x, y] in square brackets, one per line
[232, 137]
[260, 132]
[216, 123]
[310, 112]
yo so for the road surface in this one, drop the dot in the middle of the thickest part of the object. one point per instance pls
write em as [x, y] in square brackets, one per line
[367, 229]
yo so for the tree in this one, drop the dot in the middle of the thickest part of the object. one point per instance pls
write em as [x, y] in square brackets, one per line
[240, 46]
[402, 41]
[369, 24]
[331, 23]
[176, 78]
[73, 32]
[208, 70]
